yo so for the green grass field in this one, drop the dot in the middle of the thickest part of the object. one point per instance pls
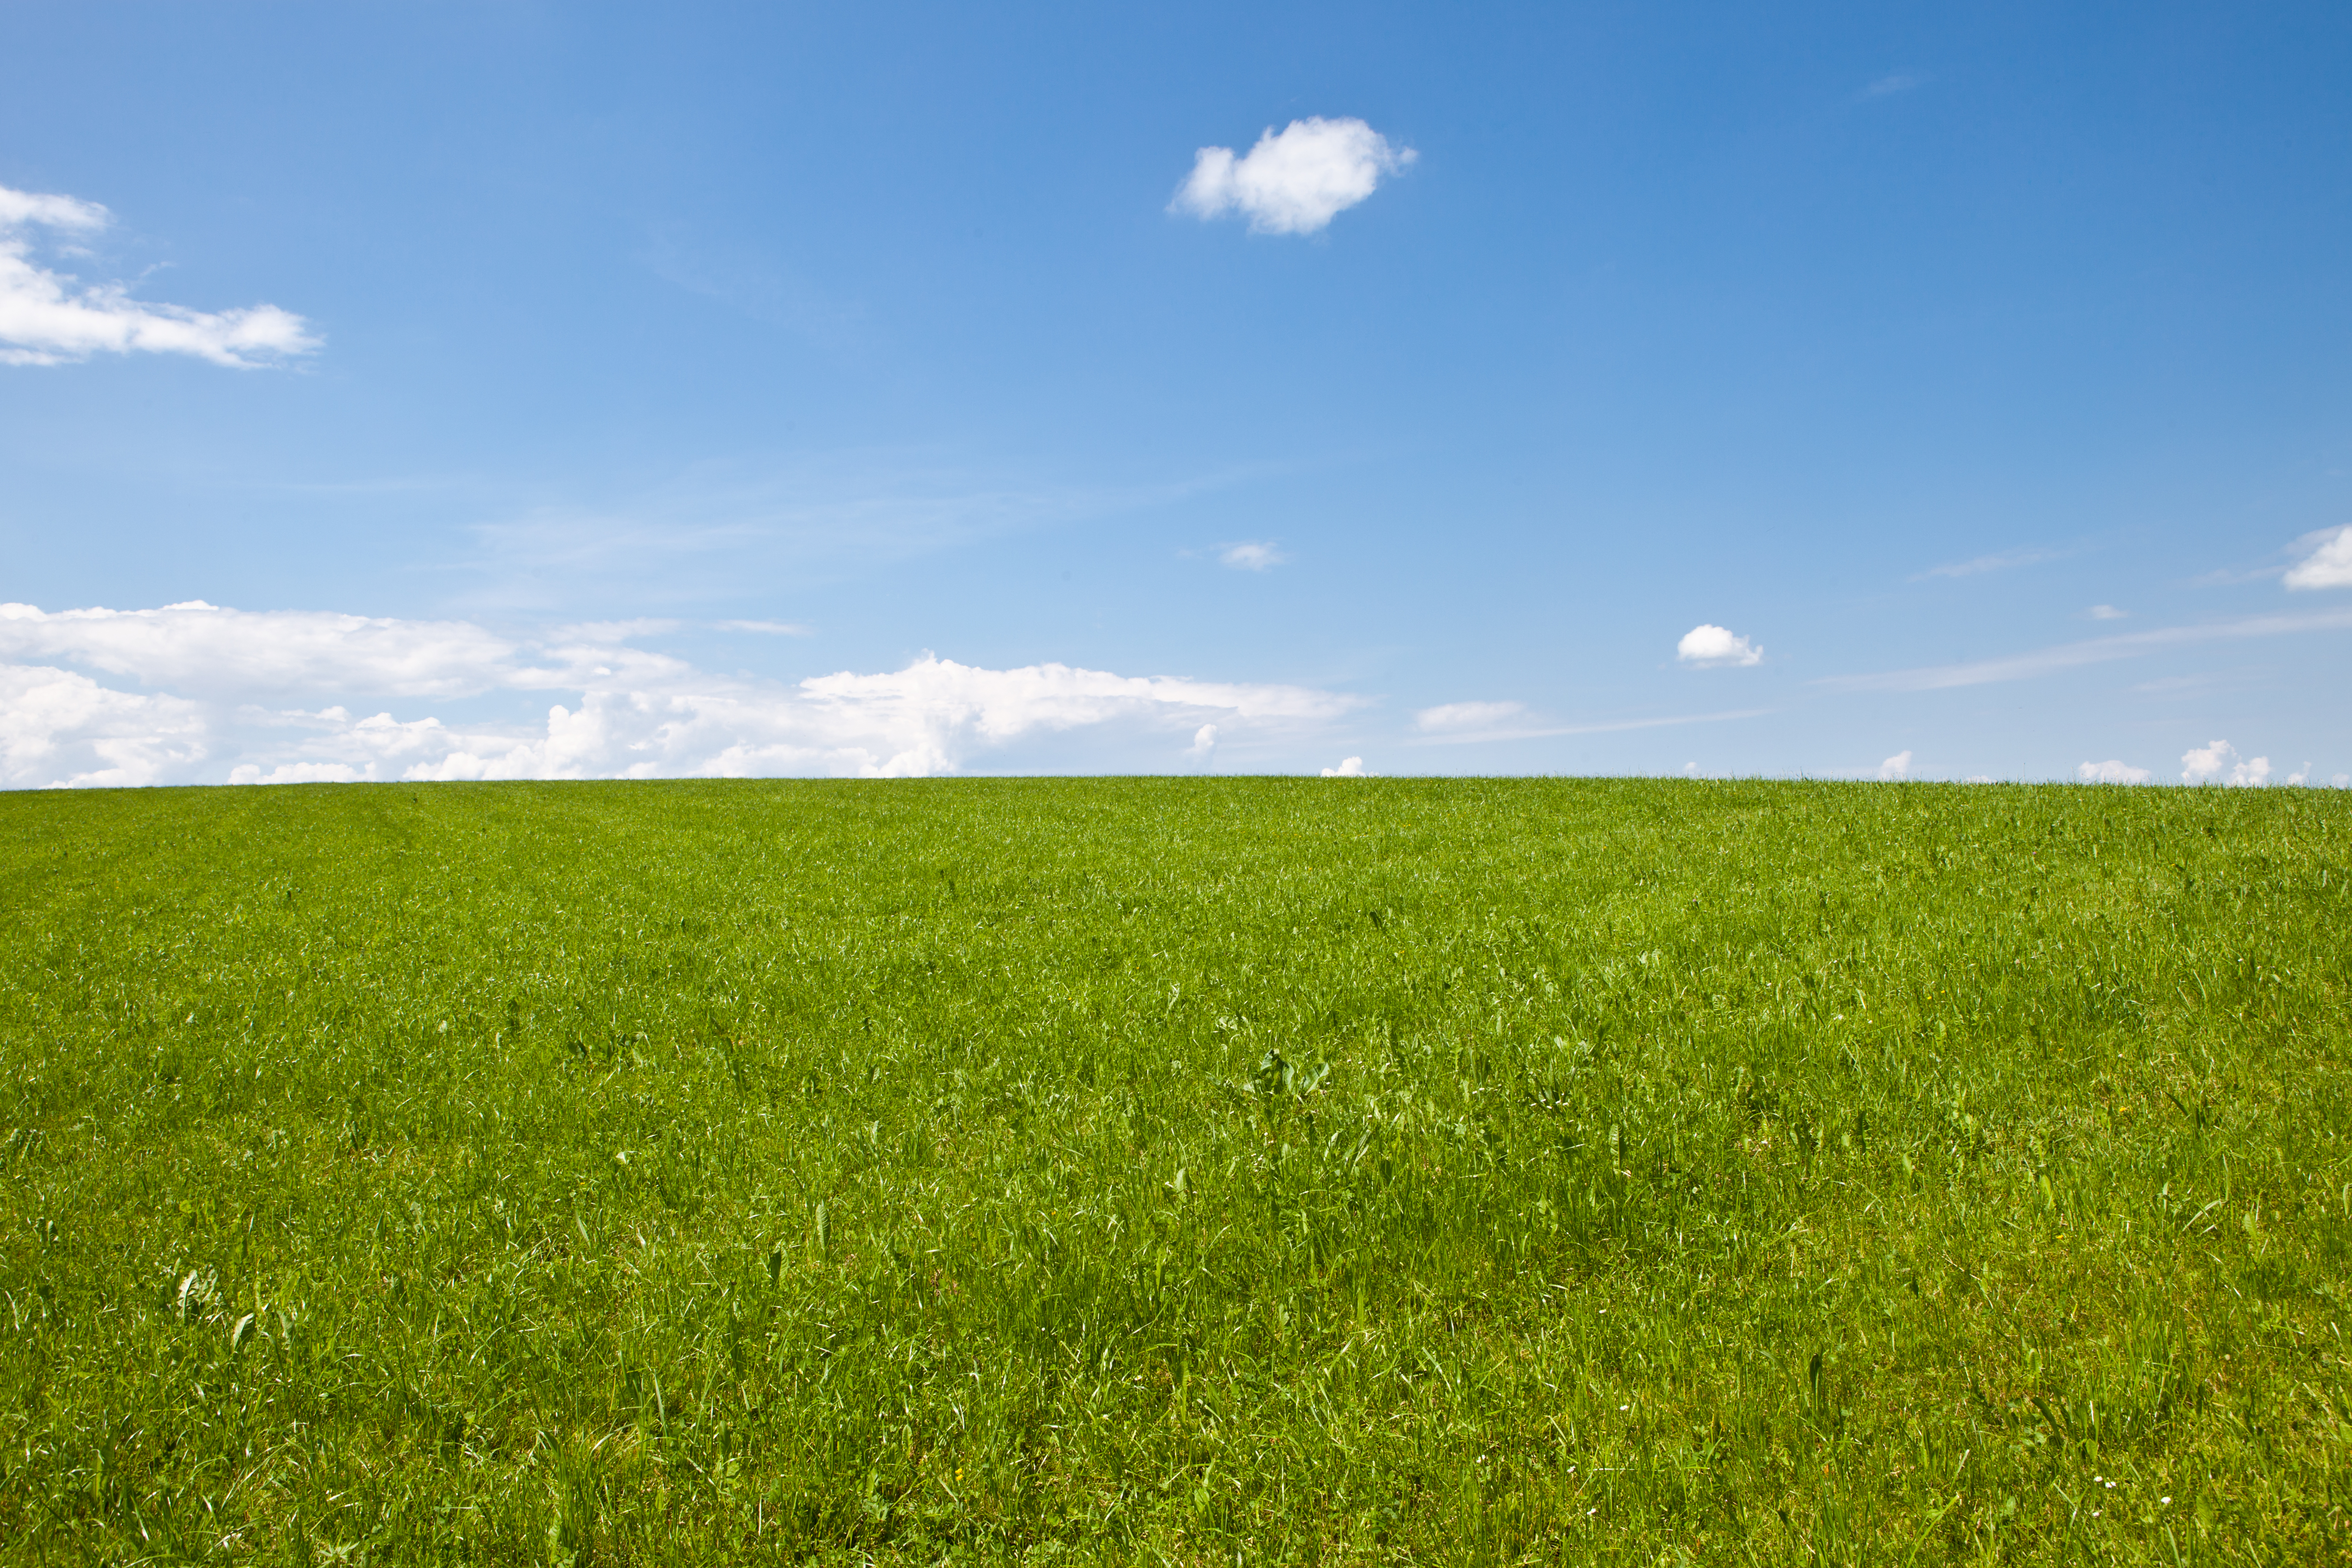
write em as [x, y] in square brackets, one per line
[1176, 1172]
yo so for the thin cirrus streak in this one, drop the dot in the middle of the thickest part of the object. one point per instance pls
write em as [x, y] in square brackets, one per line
[2092, 651]
[2033, 555]
[1611, 727]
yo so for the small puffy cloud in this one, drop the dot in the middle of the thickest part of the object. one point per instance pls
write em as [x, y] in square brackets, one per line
[769, 628]
[2106, 612]
[2219, 763]
[2112, 771]
[1351, 768]
[1204, 744]
[1453, 718]
[1294, 182]
[2326, 561]
[50, 317]
[1251, 555]
[225, 676]
[1896, 767]
[1706, 647]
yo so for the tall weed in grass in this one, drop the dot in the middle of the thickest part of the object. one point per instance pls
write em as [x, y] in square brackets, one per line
[1175, 1171]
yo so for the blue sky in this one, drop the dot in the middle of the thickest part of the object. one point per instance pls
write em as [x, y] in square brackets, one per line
[847, 390]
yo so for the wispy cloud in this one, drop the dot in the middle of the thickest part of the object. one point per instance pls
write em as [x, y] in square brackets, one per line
[230, 695]
[749, 281]
[51, 317]
[1889, 84]
[702, 535]
[2107, 613]
[2032, 555]
[2094, 651]
[1604, 726]
[1251, 555]
[1454, 719]
[769, 628]
[1294, 182]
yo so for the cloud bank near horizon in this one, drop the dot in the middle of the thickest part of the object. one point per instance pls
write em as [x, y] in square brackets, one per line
[50, 317]
[244, 696]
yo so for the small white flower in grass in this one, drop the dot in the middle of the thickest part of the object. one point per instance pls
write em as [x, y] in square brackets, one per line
[2167, 1501]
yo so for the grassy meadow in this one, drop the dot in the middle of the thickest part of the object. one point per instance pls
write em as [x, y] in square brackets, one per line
[1175, 1172]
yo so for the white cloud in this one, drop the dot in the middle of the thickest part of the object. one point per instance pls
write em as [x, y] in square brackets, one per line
[20, 208]
[1707, 646]
[1251, 555]
[1887, 86]
[769, 628]
[2112, 771]
[2106, 612]
[57, 726]
[49, 318]
[1295, 183]
[1350, 768]
[1896, 767]
[202, 649]
[1453, 718]
[1204, 744]
[2326, 562]
[227, 675]
[2303, 777]
[2219, 763]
